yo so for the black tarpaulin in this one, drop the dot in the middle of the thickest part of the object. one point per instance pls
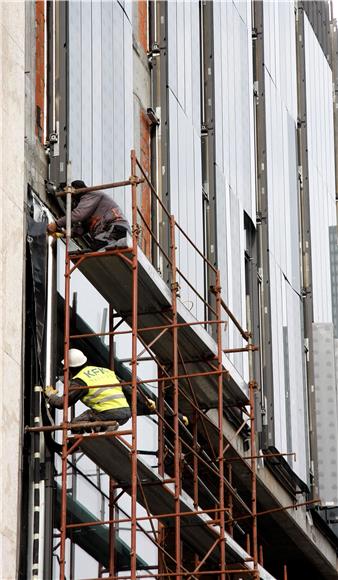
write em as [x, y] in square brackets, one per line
[37, 220]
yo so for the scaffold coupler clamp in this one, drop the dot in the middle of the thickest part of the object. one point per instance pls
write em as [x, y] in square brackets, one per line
[215, 289]
[175, 287]
[135, 180]
[253, 384]
[136, 229]
[69, 189]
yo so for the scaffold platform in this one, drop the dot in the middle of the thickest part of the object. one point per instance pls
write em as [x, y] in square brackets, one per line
[111, 275]
[113, 456]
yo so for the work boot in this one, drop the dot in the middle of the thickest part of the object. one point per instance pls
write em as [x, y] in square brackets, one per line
[110, 245]
[113, 427]
[122, 243]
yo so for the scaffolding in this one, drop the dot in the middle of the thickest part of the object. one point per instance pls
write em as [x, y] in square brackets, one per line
[192, 503]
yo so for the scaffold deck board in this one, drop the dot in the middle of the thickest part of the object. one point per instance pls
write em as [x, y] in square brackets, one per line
[113, 456]
[112, 277]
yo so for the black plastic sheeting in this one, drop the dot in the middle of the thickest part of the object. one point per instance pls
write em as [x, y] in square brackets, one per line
[37, 220]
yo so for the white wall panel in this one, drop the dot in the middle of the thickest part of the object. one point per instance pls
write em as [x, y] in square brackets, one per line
[234, 144]
[280, 50]
[86, 95]
[185, 143]
[127, 6]
[325, 368]
[321, 170]
[97, 74]
[284, 259]
[322, 216]
[223, 221]
[75, 95]
[243, 8]
[100, 93]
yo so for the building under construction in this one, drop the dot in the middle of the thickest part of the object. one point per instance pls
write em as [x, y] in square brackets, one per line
[213, 126]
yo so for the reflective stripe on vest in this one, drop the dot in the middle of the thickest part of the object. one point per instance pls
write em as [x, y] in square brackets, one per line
[101, 397]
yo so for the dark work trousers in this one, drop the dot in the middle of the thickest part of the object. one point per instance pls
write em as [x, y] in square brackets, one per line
[119, 415]
[113, 234]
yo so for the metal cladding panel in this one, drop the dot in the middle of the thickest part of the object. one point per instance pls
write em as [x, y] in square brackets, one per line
[100, 93]
[222, 74]
[318, 13]
[321, 169]
[237, 275]
[283, 218]
[97, 74]
[224, 255]
[234, 131]
[172, 42]
[287, 393]
[195, 75]
[334, 276]
[185, 144]
[280, 51]
[282, 185]
[75, 100]
[231, 265]
[277, 323]
[234, 155]
[295, 396]
[243, 7]
[127, 6]
[325, 349]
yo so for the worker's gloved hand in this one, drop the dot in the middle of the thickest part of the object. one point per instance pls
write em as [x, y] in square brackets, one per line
[52, 229]
[185, 420]
[151, 404]
[50, 391]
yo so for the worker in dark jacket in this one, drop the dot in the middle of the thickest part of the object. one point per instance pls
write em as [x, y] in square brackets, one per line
[104, 395]
[97, 214]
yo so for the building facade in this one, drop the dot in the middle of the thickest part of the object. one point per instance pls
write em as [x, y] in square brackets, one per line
[231, 109]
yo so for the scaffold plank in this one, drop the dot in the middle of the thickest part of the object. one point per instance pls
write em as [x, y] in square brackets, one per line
[113, 456]
[111, 276]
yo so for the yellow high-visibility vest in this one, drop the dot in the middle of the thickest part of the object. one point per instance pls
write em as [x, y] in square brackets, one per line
[101, 397]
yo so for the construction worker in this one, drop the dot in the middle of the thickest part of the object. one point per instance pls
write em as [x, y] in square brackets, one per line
[106, 403]
[97, 214]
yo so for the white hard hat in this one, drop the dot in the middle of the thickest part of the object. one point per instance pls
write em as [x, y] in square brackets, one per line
[76, 358]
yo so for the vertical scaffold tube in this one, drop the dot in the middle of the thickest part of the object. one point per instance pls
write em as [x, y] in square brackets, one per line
[252, 386]
[63, 526]
[230, 527]
[177, 450]
[161, 444]
[134, 367]
[112, 487]
[220, 425]
[195, 458]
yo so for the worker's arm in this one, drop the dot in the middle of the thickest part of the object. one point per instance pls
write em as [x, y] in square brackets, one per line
[84, 209]
[145, 405]
[57, 401]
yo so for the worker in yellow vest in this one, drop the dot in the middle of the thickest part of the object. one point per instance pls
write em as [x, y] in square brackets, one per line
[104, 395]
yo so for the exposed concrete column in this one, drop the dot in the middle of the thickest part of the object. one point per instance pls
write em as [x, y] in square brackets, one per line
[12, 192]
